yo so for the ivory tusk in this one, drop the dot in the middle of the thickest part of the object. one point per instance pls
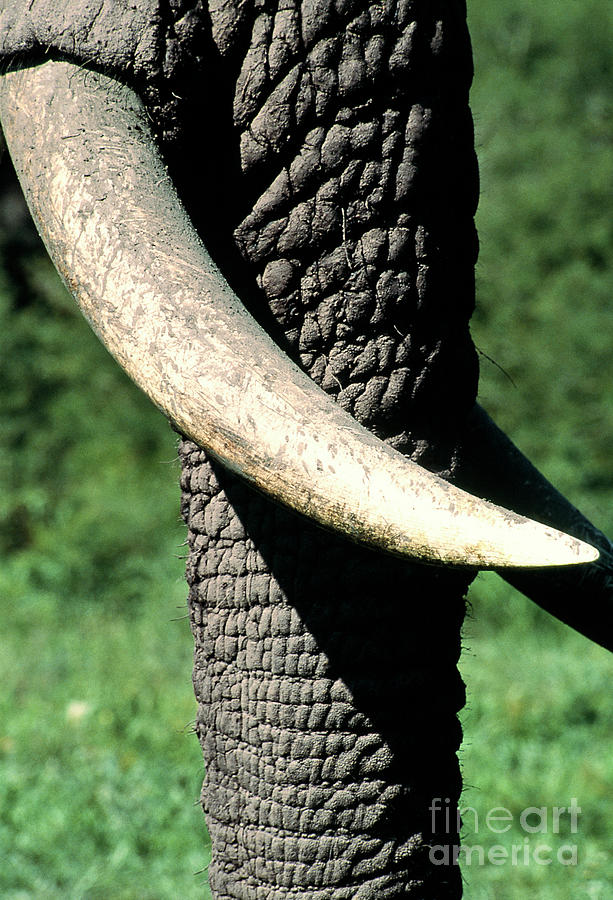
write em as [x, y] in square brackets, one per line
[118, 234]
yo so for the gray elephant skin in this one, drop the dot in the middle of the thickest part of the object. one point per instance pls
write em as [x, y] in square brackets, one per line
[324, 152]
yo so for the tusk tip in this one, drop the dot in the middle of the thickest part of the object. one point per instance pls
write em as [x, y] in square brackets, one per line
[580, 553]
[553, 548]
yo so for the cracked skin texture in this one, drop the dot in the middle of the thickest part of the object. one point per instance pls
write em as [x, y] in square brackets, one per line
[341, 208]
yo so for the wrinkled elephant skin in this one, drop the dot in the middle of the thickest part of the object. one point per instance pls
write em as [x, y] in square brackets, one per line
[324, 154]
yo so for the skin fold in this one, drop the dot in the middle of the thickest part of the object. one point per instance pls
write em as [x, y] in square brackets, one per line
[341, 211]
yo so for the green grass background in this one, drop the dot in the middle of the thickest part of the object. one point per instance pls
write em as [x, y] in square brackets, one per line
[99, 771]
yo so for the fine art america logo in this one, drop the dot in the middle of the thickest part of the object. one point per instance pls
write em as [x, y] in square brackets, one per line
[536, 822]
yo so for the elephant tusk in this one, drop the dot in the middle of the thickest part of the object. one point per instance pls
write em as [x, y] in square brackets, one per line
[119, 236]
[582, 596]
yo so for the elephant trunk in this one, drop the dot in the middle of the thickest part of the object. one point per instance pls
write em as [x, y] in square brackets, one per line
[326, 673]
[328, 697]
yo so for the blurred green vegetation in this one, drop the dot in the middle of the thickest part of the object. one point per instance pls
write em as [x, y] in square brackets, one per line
[99, 774]
[543, 107]
[99, 771]
[539, 717]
